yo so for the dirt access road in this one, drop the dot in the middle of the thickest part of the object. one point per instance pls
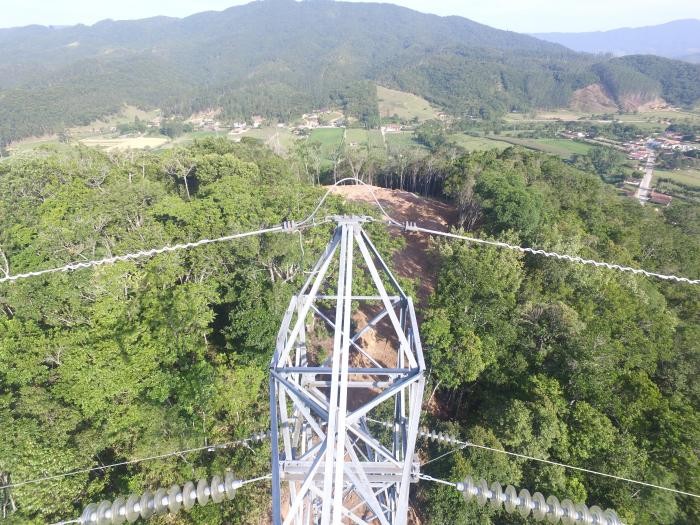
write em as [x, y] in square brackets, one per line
[645, 186]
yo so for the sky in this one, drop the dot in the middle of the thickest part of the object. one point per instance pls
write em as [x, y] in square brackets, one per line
[525, 16]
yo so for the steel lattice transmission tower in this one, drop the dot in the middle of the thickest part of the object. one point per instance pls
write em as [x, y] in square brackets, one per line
[335, 464]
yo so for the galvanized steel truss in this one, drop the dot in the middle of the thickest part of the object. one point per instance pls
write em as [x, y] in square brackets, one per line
[337, 467]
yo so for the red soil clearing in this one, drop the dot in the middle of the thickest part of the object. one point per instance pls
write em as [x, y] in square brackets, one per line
[415, 260]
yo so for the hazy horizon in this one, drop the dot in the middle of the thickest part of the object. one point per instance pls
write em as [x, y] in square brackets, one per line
[523, 16]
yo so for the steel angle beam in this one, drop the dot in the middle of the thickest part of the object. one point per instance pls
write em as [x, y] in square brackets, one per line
[326, 462]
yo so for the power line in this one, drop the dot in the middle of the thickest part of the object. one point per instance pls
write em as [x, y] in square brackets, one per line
[426, 477]
[310, 221]
[619, 478]
[285, 227]
[211, 448]
[449, 453]
[341, 182]
[412, 227]
[143, 254]
[446, 438]
[255, 480]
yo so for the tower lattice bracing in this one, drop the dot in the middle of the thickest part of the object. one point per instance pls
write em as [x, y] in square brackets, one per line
[348, 352]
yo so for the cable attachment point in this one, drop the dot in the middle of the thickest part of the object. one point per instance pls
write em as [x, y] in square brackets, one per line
[410, 226]
[259, 437]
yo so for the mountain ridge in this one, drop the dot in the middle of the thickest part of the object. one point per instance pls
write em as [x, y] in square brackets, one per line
[310, 55]
[675, 39]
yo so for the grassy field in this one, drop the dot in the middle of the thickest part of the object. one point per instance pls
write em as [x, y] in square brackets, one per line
[404, 141]
[376, 140]
[188, 138]
[476, 143]
[406, 105]
[647, 120]
[356, 136]
[363, 138]
[108, 144]
[280, 140]
[31, 143]
[90, 132]
[687, 177]
[536, 116]
[660, 114]
[563, 148]
[330, 139]
[37, 145]
[649, 126]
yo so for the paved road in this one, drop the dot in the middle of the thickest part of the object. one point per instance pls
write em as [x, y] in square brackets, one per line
[645, 186]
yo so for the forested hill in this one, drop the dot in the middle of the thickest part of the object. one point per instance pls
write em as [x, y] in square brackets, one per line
[280, 58]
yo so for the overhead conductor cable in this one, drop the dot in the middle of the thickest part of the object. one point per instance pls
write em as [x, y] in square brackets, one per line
[448, 439]
[256, 438]
[144, 254]
[310, 221]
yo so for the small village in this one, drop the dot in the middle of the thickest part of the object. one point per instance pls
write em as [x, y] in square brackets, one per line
[644, 153]
[323, 118]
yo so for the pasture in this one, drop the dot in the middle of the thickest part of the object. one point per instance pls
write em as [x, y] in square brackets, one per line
[109, 144]
[471, 143]
[404, 141]
[330, 139]
[563, 148]
[363, 138]
[404, 105]
[688, 177]
[545, 116]
[279, 140]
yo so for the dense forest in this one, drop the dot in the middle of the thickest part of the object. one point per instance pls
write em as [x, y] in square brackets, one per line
[281, 58]
[558, 361]
[142, 358]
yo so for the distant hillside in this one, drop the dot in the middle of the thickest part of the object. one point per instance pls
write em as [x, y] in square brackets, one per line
[694, 58]
[679, 39]
[280, 58]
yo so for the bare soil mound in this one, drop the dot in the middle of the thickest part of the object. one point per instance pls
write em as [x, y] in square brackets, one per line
[415, 260]
[592, 99]
[595, 99]
[641, 102]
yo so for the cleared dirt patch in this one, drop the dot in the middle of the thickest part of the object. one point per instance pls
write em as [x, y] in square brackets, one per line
[593, 98]
[415, 260]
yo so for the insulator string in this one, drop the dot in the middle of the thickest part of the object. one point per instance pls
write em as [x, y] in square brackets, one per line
[447, 438]
[163, 501]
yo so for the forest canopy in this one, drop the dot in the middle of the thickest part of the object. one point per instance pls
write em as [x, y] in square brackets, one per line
[559, 361]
